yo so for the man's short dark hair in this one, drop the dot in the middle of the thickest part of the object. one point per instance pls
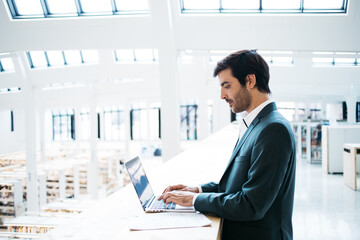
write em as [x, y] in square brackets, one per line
[246, 62]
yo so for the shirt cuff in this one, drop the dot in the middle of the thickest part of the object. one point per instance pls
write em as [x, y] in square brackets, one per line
[194, 198]
[200, 189]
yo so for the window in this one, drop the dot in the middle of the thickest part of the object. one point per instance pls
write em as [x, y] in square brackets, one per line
[11, 121]
[6, 65]
[263, 6]
[335, 59]
[56, 58]
[73, 57]
[136, 55]
[61, 58]
[84, 125]
[188, 126]
[37, 59]
[90, 56]
[114, 124]
[132, 5]
[63, 125]
[95, 6]
[138, 122]
[71, 8]
[61, 7]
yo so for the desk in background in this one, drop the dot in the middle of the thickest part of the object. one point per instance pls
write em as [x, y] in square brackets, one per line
[350, 169]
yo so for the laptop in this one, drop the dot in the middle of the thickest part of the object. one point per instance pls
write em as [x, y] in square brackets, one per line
[145, 193]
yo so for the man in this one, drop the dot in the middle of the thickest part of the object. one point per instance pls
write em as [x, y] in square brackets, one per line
[255, 195]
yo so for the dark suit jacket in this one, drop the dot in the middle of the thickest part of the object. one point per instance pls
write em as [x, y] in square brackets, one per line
[256, 193]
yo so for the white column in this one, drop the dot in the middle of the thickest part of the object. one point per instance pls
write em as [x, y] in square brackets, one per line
[30, 132]
[127, 131]
[42, 134]
[168, 71]
[296, 112]
[351, 105]
[92, 171]
[203, 118]
[77, 128]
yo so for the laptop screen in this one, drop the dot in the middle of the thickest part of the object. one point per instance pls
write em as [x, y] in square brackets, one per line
[139, 180]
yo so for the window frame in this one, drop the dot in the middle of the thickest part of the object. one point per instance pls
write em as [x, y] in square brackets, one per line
[79, 11]
[261, 10]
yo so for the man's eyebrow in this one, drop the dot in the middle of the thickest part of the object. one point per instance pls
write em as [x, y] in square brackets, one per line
[223, 83]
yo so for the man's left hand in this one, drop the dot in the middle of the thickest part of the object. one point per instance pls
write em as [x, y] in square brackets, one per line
[182, 198]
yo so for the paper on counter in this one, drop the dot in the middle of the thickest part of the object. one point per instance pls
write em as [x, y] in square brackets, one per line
[167, 220]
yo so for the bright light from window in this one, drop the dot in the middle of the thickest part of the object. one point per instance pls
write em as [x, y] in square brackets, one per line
[96, 6]
[281, 4]
[7, 64]
[345, 61]
[90, 56]
[323, 4]
[72, 57]
[38, 59]
[55, 58]
[144, 55]
[236, 4]
[201, 4]
[324, 60]
[156, 54]
[28, 7]
[124, 55]
[132, 5]
[63, 6]
[282, 60]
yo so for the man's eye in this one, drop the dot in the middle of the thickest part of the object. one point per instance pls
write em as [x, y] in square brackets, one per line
[226, 86]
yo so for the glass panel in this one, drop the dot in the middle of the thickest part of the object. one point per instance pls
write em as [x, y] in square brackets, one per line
[282, 60]
[154, 123]
[55, 58]
[63, 6]
[38, 59]
[201, 4]
[323, 4]
[125, 55]
[144, 55]
[96, 6]
[346, 61]
[132, 5]
[90, 56]
[84, 126]
[236, 4]
[322, 60]
[28, 7]
[281, 4]
[7, 64]
[156, 54]
[72, 57]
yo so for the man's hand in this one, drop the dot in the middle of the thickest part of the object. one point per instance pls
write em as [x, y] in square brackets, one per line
[182, 198]
[181, 187]
[179, 194]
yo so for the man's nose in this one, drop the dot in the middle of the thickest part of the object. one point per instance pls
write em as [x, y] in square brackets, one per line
[222, 94]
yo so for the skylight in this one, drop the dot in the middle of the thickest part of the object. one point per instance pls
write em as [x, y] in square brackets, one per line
[71, 8]
[263, 6]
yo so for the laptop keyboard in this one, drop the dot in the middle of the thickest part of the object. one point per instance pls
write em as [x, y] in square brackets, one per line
[161, 205]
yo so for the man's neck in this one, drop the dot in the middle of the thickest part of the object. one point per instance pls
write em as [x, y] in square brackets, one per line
[256, 100]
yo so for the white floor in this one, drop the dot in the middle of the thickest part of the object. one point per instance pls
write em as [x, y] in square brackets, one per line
[324, 208]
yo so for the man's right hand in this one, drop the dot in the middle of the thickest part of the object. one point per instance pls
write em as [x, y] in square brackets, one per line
[179, 187]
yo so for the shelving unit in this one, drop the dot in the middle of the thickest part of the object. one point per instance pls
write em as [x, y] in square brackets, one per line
[35, 226]
[11, 199]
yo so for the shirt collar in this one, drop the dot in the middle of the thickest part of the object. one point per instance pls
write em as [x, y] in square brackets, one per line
[251, 116]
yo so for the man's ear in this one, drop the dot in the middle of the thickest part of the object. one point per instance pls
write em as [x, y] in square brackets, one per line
[251, 80]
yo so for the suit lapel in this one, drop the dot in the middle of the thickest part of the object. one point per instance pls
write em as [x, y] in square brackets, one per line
[266, 110]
